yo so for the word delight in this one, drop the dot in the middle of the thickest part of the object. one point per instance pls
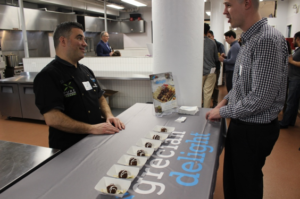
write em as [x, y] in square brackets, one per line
[190, 161]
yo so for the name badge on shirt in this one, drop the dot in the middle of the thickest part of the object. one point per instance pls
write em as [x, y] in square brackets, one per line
[87, 85]
[240, 71]
[212, 70]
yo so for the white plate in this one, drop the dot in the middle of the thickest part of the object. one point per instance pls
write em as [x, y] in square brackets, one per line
[124, 160]
[162, 136]
[115, 169]
[122, 185]
[143, 141]
[133, 151]
[169, 129]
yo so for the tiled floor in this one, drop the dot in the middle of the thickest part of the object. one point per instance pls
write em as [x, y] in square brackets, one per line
[282, 168]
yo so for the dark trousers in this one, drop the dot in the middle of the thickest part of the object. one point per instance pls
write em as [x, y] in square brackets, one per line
[291, 111]
[215, 94]
[229, 80]
[246, 148]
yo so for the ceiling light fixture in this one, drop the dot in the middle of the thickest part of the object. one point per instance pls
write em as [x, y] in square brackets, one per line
[115, 6]
[208, 13]
[133, 2]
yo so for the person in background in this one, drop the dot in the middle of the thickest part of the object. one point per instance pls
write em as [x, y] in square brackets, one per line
[221, 50]
[290, 114]
[116, 53]
[229, 60]
[103, 48]
[68, 95]
[253, 104]
[209, 65]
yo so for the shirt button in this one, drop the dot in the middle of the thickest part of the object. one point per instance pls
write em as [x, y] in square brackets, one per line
[99, 108]
[89, 111]
[94, 90]
[87, 75]
[82, 94]
[72, 76]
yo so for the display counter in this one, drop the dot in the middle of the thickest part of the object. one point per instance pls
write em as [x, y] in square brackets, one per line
[184, 166]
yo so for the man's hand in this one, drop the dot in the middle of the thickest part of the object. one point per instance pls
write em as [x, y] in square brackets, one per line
[291, 59]
[223, 55]
[103, 128]
[113, 120]
[221, 58]
[213, 115]
[110, 54]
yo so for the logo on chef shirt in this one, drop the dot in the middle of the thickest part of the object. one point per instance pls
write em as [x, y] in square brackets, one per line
[94, 80]
[69, 91]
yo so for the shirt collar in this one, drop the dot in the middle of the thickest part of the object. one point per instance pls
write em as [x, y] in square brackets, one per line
[253, 29]
[233, 43]
[64, 62]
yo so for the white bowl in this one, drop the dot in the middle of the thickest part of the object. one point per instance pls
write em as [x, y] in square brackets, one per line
[169, 129]
[122, 185]
[133, 151]
[124, 160]
[115, 169]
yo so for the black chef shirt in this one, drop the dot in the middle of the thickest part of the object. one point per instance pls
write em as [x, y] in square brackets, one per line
[73, 91]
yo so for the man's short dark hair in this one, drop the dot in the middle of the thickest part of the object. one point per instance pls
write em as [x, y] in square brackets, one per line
[206, 28]
[64, 29]
[230, 33]
[211, 32]
[297, 35]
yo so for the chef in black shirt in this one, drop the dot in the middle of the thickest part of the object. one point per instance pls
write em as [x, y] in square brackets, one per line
[68, 94]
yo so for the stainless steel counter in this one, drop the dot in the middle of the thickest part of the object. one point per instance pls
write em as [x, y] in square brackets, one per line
[18, 160]
[28, 77]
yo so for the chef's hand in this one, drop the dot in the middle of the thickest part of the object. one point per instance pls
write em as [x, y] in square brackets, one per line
[103, 128]
[116, 122]
[110, 54]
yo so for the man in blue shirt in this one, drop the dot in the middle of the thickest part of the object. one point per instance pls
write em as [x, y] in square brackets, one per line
[103, 48]
[229, 61]
[221, 50]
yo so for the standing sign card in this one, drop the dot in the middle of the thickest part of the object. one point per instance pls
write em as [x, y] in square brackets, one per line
[163, 92]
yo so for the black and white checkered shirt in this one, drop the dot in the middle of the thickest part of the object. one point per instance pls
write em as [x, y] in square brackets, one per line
[260, 76]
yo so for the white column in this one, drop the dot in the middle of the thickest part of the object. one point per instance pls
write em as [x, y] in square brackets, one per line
[217, 25]
[178, 46]
[217, 19]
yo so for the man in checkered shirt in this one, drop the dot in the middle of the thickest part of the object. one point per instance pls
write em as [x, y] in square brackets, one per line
[257, 96]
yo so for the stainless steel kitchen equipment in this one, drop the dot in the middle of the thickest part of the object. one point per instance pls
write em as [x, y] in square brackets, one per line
[18, 160]
[11, 60]
[17, 97]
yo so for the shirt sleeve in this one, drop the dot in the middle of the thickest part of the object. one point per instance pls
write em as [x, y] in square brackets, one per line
[48, 93]
[268, 66]
[222, 48]
[233, 54]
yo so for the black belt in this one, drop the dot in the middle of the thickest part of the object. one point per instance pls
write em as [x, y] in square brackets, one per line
[237, 121]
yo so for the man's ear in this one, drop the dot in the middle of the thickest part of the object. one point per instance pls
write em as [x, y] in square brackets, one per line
[248, 4]
[63, 41]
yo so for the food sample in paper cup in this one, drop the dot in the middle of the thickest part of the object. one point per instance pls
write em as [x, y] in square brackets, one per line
[140, 153]
[148, 145]
[123, 174]
[163, 129]
[156, 137]
[133, 162]
[112, 189]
